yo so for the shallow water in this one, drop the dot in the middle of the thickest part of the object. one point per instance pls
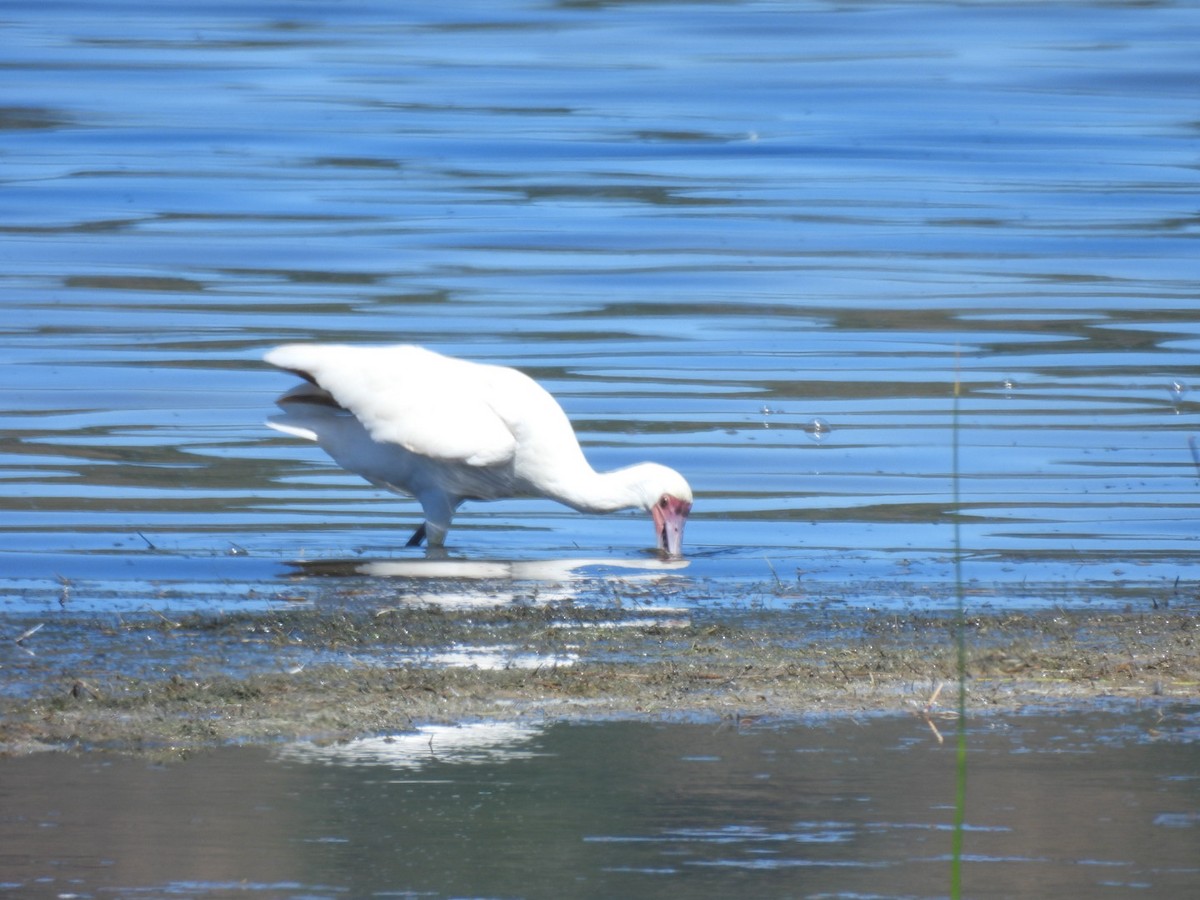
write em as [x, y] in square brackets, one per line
[1058, 805]
[759, 242]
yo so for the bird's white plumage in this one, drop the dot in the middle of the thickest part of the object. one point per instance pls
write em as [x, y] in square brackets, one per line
[430, 404]
[445, 430]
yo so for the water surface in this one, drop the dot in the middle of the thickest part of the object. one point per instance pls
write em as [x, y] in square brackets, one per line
[1099, 804]
[758, 242]
[767, 244]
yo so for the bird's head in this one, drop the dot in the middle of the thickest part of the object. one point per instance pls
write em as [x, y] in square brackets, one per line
[668, 499]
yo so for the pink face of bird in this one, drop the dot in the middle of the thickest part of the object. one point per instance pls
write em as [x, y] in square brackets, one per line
[670, 515]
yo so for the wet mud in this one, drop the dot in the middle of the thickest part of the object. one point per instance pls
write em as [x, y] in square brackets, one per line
[357, 665]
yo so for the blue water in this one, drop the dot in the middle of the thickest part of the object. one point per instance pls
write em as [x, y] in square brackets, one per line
[704, 227]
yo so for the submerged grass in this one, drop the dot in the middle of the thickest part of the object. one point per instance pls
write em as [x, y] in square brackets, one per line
[348, 668]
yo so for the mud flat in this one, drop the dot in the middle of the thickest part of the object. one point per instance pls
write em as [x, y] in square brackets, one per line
[361, 665]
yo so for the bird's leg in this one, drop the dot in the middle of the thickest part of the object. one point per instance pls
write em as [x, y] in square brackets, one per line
[439, 510]
[417, 536]
[435, 536]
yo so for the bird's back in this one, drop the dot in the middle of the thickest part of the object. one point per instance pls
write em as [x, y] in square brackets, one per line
[418, 419]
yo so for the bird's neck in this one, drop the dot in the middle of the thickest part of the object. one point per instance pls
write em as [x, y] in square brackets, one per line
[589, 491]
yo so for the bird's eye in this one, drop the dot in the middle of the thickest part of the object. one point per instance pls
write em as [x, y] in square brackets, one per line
[664, 501]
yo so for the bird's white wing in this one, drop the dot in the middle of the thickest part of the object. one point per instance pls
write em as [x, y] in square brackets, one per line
[429, 404]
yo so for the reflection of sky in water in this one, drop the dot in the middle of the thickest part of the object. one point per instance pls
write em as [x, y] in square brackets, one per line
[499, 658]
[465, 744]
[704, 228]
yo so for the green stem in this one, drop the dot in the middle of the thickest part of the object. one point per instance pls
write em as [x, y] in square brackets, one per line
[960, 768]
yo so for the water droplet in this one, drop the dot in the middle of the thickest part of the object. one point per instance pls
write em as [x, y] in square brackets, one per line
[768, 411]
[817, 429]
[1178, 389]
[1008, 384]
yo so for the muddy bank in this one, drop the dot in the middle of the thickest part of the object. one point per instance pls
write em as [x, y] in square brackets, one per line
[164, 684]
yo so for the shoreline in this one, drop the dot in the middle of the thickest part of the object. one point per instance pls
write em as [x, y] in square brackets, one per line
[333, 673]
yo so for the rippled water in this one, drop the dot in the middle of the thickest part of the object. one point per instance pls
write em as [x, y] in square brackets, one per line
[1103, 804]
[759, 242]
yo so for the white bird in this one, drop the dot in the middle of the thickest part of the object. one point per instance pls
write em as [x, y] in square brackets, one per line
[445, 430]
